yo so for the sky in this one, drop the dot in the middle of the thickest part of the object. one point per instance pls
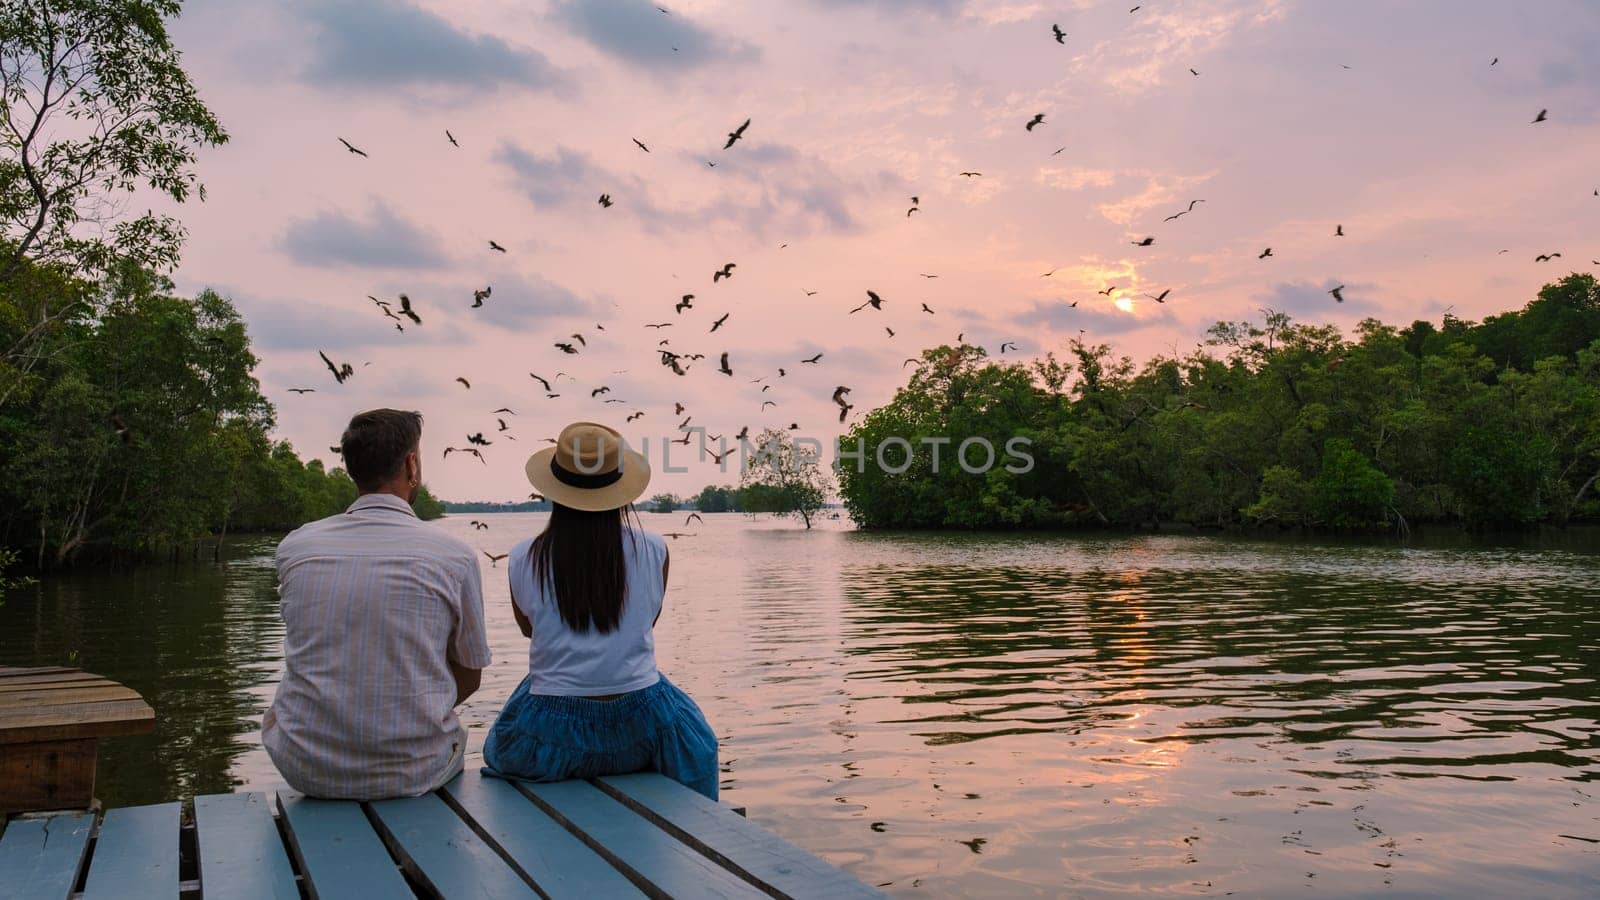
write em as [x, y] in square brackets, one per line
[1387, 119]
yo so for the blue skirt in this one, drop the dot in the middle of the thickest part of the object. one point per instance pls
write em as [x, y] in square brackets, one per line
[539, 737]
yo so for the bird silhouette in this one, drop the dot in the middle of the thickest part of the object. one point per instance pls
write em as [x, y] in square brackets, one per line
[1004, 344]
[812, 361]
[464, 383]
[926, 309]
[565, 347]
[1144, 243]
[479, 296]
[407, 311]
[970, 174]
[1265, 253]
[658, 325]
[890, 330]
[735, 135]
[1038, 119]
[1061, 36]
[451, 138]
[478, 526]
[1546, 257]
[1338, 231]
[725, 272]
[695, 516]
[637, 415]
[605, 201]
[641, 145]
[686, 303]
[504, 409]
[302, 390]
[873, 300]
[724, 368]
[1108, 291]
[540, 380]
[1543, 115]
[718, 323]
[767, 403]
[1159, 298]
[341, 371]
[602, 389]
[1338, 294]
[352, 147]
[494, 559]
[478, 440]
[503, 425]
[495, 246]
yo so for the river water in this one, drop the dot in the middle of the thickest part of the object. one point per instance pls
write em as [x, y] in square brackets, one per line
[1018, 715]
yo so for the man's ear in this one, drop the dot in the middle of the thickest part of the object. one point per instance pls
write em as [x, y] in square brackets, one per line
[414, 467]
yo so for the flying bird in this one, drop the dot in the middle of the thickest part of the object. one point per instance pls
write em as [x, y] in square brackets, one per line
[970, 174]
[813, 361]
[1536, 119]
[1546, 257]
[636, 415]
[1265, 253]
[451, 138]
[890, 330]
[1004, 344]
[736, 134]
[658, 325]
[724, 368]
[718, 323]
[479, 296]
[566, 348]
[602, 389]
[926, 309]
[686, 303]
[478, 439]
[407, 311]
[605, 201]
[493, 558]
[873, 300]
[540, 380]
[352, 147]
[1061, 36]
[495, 246]
[641, 145]
[1038, 119]
[1108, 291]
[1338, 294]
[341, 371]
[1159, 298]
[1144, 243]
[693, 516]
[725, 272]
[464, 383]
[1338, 231]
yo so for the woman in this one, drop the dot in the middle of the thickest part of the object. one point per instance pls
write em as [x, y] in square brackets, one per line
[588, 592]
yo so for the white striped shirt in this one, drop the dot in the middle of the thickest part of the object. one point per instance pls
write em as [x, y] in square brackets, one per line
[374, 603]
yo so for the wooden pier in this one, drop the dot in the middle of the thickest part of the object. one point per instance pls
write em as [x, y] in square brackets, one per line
[640, 835]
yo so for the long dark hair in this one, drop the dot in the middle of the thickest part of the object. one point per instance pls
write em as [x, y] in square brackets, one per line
[580, 554]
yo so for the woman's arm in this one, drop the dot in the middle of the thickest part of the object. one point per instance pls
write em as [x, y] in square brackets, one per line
[523, 625]
[666, 561]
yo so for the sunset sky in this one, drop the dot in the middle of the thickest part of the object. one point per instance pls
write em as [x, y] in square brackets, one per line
[1384, 117]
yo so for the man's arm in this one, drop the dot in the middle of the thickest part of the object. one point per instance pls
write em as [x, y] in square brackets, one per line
[467, 680]
[468, 654]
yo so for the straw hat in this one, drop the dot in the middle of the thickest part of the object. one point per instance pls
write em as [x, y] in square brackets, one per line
[589, 469]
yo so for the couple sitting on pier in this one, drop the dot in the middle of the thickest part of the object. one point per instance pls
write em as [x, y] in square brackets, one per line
[384, 632]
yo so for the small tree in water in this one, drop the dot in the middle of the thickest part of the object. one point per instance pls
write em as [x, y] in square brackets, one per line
[783, 477]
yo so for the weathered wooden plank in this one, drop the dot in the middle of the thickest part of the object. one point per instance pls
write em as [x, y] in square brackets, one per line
[66, 695]
[340, 854]
[136, 854]
[40, 858]
[436, 848]
[34, 682]
[241, 854]
[116, 717]
[631, 843]
[720, 833]
[47, 775]
[556, 861]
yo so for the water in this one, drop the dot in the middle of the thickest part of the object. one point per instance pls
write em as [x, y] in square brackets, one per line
[1019, 715]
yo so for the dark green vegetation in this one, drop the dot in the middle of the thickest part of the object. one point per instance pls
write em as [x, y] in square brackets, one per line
[492, 506]
[783, 478]
[1283, 424]
[130, 423]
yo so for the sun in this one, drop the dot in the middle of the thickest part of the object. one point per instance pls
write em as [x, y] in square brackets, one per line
[1124, 303]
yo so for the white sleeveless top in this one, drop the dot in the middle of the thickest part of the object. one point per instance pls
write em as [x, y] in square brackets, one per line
[567, 663]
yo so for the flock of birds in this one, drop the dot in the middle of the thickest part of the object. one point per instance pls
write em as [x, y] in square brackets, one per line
[680, 359]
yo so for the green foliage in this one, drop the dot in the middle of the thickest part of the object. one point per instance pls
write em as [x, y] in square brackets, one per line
[783, 478]
[142, 431]
[1275, 423]
[93, 104]
[8, 583]
[662, 503]
[713, 498]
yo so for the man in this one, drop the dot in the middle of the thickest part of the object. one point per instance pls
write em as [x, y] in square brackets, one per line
[383, 633]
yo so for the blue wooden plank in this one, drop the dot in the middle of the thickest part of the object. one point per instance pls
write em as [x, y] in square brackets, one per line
[241, 854]
[136, 854]
[41, 857]
[728, 838]
[339, 852]
[440, 851]
[632, 843]
[556, 861]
